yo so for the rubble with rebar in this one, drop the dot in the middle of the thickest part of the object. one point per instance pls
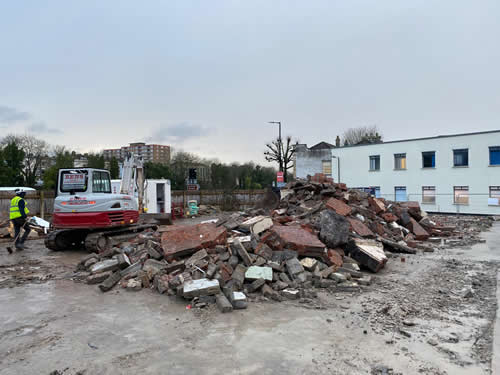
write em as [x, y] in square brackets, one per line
[322, 235]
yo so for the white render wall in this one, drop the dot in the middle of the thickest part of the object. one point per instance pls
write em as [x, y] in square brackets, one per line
[478, 176]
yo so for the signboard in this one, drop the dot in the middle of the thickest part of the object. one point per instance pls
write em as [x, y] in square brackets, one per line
[192, 187]
[73, 180]
[280, 177]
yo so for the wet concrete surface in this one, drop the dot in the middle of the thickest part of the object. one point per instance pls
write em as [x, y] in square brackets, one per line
[58, 324]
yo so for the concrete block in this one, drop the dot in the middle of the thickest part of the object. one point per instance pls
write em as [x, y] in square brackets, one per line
[239, 301]
[132, 269]
[223, 303]
[238, 275]
[134, 285]
[268, 292]
[254, 273]
[338, 277]
[309, 263]
[262, 225]
[294, 267]
[98, 277]
[256, 285]
[368, 253]
[105, 265]
[239, 249]
[196, 258]
[290, 293]
[110, 282]
[200, 287]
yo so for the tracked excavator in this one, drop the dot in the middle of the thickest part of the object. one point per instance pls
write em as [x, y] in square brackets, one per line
[87, 214]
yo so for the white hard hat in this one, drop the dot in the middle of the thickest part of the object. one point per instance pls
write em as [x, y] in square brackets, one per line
[20, 191]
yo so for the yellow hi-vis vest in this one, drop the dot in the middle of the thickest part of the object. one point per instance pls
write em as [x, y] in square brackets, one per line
[14, 208]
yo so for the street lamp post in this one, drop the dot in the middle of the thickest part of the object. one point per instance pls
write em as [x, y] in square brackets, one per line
[280, 162]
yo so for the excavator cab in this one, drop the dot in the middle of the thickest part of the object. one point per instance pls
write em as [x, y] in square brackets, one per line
[83, 181]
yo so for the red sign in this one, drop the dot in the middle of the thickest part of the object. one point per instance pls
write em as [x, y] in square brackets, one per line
[192, 187]
[280, 177]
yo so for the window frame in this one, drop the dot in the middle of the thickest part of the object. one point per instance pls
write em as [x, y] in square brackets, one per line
[428, 188]
[489, 154]
[323, 162]
[462, 188]
[375, 158]
[400, 188]
[103, 186]
[455, 165]
[400, 156]
[429, 153]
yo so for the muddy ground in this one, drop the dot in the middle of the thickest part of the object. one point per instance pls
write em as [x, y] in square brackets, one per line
[433, 313]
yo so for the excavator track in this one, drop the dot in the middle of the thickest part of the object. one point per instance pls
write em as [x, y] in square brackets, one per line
[92, 241]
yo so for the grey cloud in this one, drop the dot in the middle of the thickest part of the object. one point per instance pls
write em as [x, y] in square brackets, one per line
[178, 133]
[9, 115]
[42, 128]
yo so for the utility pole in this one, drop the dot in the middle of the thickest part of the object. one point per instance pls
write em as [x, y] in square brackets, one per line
[279, 144]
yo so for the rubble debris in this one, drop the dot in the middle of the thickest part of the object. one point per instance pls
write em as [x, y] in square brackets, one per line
[321, 235]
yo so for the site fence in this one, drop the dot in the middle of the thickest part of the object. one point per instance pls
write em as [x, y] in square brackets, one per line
[219, 198]
[473, 203]
[41, 203]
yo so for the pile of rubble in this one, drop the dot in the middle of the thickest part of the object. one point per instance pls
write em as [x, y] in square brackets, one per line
[321, 235]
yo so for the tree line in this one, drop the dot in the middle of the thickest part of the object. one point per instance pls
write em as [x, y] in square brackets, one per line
[28, 161]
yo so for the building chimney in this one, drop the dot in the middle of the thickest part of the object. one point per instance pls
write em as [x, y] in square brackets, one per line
[337, 141]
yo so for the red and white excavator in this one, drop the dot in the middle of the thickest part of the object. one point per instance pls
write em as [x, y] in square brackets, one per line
[87, 213]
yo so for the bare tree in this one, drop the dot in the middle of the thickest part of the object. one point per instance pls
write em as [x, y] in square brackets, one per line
[35, 151]
[280, 153]
[361, 135]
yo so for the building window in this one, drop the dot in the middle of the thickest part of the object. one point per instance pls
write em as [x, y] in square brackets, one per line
[429, 194]
[429, 159]
[495, 155]
[399, 161]
[327, 167]
[461, 194]
[494, 199]
[377, 191]
[375, 163]
[400, 194]
[461, 157]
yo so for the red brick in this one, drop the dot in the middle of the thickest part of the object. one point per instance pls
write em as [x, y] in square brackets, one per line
[338, 206]
[360, 228]
[343, 186]
[187, 239]
[419, 232]
[376, 205]
[388, 217]
[333, 257]
[295, 238]
[226, 271]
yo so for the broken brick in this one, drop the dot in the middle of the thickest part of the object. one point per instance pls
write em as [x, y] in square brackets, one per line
[360, 228]
[338, 206]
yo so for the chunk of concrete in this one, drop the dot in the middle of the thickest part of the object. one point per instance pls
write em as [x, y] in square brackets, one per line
[256, 285]
[110, 282]
[254, 273]
[294, 267]
[239, 301]
[105, 265]
[334, 230]
[97, 278]
[368, 253]
[200, 287]
[223, 303]
[262, 225]
[290, 293]
[309, 264]
[238, 275]
[239, 249]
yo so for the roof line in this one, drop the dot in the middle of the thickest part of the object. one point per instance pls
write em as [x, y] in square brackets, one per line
[425, 138]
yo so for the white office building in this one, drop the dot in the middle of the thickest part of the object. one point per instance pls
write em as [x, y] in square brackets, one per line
[450, 173]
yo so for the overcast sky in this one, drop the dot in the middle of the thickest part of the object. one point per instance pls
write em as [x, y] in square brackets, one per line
[206, 76]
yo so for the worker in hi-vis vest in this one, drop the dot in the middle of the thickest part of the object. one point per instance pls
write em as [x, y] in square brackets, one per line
[19, 217]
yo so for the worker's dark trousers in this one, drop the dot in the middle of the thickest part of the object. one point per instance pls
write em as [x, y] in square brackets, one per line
[18, 224]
